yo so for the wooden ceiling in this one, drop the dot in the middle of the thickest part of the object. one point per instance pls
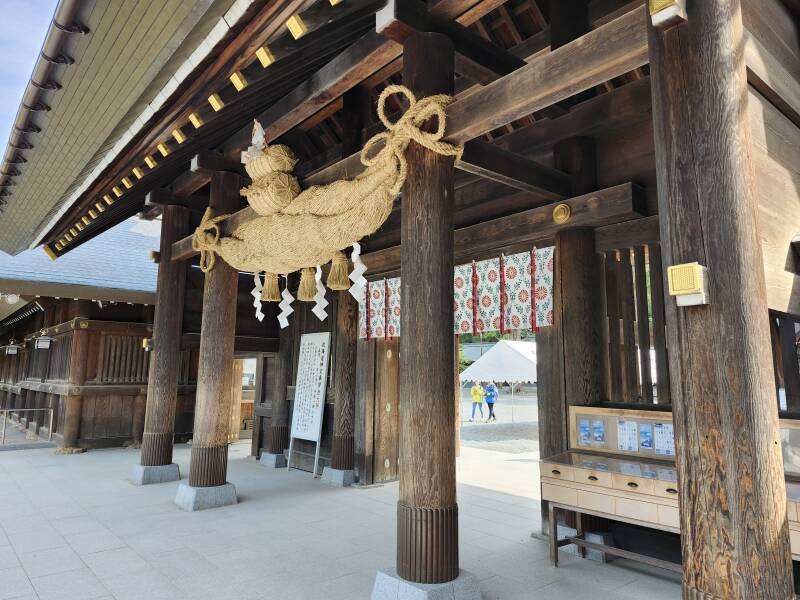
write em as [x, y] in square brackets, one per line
[315, 128]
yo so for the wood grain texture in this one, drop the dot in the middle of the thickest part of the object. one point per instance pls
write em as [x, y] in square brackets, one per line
[344, 377]
[73, 412]
[215, 362]
[734, 540]
[630, 365]
[162, 383]
[427, 446]
[663, 388]
[643, 323]
[279, 436]
[578, 283]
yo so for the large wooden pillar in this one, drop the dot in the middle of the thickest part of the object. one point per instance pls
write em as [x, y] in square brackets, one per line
[73, 403]
[209, 460]
[344, 382]
[427, 513]
[734, 534]
[162, 381]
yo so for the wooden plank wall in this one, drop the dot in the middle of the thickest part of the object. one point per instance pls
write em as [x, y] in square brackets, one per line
[776, 161]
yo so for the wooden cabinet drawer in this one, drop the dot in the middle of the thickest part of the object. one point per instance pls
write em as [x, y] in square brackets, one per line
[669, 516]
[599, 478]
[636, 509]
[666, 489]
[638, 485]
[595, 501]
[791, 511]
[559, 493]
[556, 471]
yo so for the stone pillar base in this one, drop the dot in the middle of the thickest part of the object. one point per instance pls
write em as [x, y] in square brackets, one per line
[191, 498]
[145, 475]
[390, 586]
[274, 461]
[70, 450]
[338, 477]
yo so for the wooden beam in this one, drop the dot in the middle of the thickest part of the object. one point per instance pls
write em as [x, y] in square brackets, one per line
[479, 59]
[491, 162]
[600, 55]
[163, 197]
[521, 230]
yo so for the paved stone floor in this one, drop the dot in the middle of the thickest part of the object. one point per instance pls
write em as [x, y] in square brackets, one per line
[73, 528]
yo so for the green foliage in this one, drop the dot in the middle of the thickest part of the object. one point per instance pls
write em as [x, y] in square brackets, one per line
[463, 363]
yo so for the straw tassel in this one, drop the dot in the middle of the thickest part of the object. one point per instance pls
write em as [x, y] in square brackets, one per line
[337, 278]
[271, 291]
[308, 285]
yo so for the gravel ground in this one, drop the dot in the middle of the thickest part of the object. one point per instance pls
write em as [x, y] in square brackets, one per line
[516, 430]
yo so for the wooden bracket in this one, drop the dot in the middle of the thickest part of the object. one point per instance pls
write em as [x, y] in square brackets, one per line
[164, 197]
[477, 58]
[207, 162]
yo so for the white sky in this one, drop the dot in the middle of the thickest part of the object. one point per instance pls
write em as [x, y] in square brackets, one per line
[21, 38]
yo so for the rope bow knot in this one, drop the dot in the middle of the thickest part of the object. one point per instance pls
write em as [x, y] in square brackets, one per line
[408, 127]
[206, 238]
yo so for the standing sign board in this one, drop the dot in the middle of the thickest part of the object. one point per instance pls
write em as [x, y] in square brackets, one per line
[310, 388]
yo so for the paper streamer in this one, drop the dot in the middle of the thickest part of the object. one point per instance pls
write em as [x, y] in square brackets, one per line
[285, 306]
[256, 293]
[319, 298]
[357, 275]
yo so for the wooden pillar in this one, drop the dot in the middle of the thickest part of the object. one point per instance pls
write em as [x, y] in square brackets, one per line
[162, 381]
[137, 423]
[569, 363]
[73, 403]
[578, 288]
[427, 513]
[278, 438]
[344, 382]
[734, 533]
[209, 460]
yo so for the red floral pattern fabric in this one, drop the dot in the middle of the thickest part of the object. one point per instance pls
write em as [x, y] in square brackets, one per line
[462, 299]
[489, 313]
[518, 305]
[393, 324]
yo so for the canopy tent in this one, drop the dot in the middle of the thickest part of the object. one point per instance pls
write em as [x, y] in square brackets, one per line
[514, 362]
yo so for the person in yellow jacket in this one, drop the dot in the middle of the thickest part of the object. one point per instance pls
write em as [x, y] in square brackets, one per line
[477, 399]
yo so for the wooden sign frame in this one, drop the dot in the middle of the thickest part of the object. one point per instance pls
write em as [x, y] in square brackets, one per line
[321, 391]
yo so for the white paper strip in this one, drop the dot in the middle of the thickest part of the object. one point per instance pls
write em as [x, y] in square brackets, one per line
[357, 275]
[319, 298]
[285, 306]
[256, 293]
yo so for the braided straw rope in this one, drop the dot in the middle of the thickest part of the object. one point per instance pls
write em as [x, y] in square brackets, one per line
[322, 220]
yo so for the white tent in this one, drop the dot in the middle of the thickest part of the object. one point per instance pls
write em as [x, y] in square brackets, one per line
[514, 362]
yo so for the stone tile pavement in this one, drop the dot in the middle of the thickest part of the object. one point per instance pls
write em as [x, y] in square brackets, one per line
[73, 528]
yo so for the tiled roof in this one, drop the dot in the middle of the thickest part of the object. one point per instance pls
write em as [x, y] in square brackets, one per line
[117, 259]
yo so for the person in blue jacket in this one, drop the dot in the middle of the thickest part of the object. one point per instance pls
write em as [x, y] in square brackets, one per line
[490, 394]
